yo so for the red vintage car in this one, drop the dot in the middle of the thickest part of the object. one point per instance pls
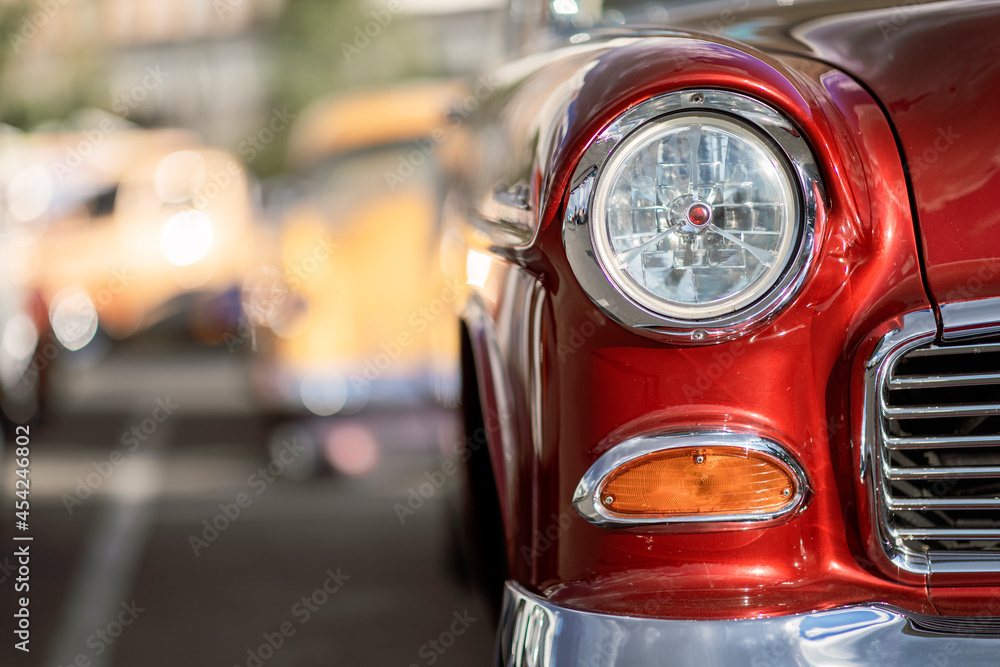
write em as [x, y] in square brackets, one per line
[730, 341]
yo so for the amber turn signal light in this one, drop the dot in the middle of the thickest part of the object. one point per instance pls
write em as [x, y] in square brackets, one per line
[706, 481]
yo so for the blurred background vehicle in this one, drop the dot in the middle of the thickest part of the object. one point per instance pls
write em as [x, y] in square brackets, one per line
[114, 229]
[359, 312]
[222, 275]
[174, 222]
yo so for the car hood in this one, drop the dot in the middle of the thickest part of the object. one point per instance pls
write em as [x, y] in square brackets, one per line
[935, 68]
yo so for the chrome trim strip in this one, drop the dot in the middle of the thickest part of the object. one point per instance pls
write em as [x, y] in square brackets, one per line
[609, 297]
[510, 208]
[936, 381]
[534, 352]
[968, 319]
[949, 533]
[535, 632]
[962, 472]
[958, 563]
[930, 411]
[503, 233]
[935, 351]
[940, 504]
[943, 442]
[587, 502]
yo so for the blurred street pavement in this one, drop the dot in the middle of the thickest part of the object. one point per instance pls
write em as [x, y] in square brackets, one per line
[155, 567]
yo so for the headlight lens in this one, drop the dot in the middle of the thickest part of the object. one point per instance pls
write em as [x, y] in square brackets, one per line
[696, 215]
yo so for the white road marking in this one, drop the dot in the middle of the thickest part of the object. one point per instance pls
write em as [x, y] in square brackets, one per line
[108, 562]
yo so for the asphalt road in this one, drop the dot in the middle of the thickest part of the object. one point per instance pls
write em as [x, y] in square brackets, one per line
[166, 531]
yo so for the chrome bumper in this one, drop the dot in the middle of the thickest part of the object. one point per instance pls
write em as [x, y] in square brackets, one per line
[537, 633]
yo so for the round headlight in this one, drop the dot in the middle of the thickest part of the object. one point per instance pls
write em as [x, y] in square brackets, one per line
[695, 216]
[698, 208]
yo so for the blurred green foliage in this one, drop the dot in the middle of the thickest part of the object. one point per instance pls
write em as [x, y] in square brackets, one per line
[312, 48]
[316, 44]
[315, 52]
[35, 88]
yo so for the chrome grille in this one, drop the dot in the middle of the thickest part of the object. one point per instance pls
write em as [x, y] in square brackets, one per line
[936, 468]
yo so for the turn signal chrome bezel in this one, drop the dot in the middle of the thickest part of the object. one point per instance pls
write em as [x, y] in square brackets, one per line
[590, 502]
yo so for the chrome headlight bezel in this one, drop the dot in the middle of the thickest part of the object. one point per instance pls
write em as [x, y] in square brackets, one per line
[622, 304]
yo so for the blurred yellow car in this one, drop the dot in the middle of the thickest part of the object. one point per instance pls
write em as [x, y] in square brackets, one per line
[360, 312]
[121, 228]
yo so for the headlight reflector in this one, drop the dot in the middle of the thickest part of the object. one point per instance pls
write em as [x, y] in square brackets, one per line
[695, 216]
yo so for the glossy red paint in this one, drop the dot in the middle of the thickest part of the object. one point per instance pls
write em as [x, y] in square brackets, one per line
[965, 601]
[568, 383]
[937, 73]
[935, 69]
[504, 357]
